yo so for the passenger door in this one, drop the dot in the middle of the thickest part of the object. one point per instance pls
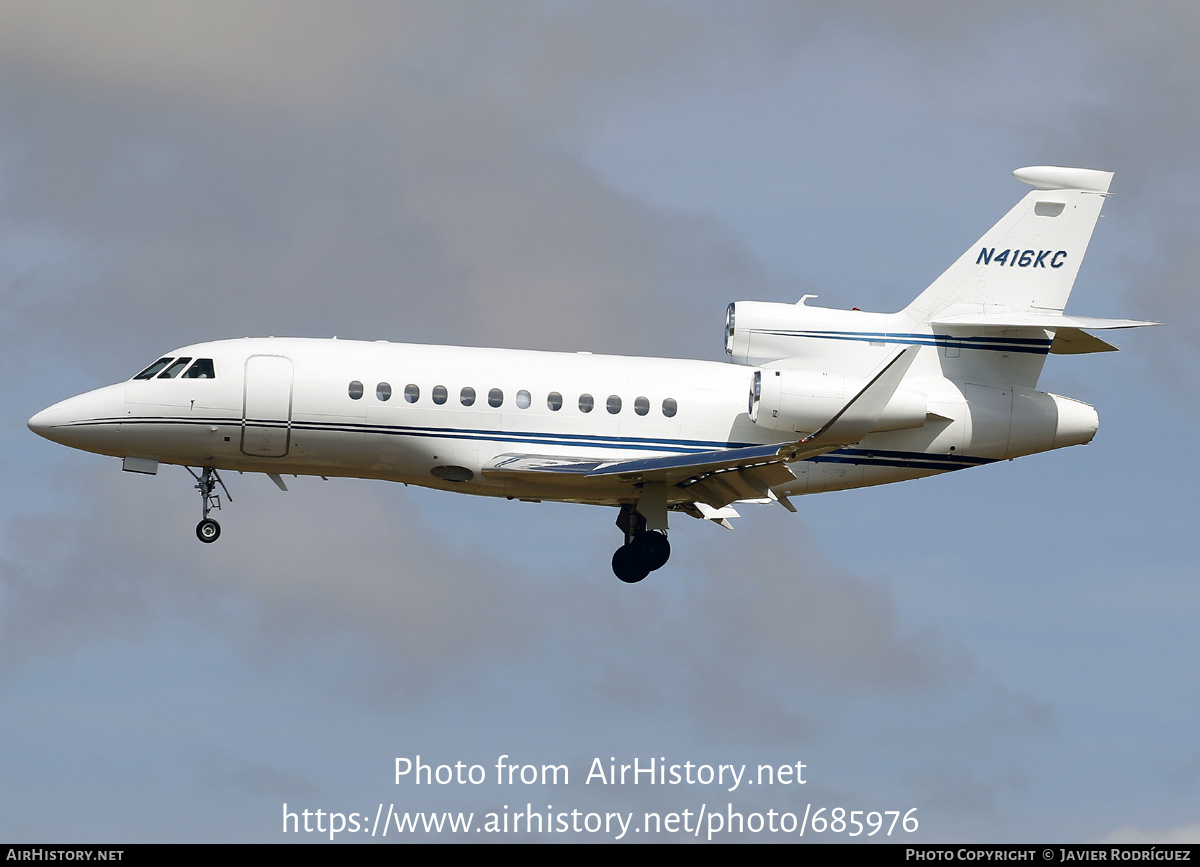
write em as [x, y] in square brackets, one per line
[267, 406]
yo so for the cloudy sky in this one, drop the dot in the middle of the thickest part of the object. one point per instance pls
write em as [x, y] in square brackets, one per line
[1011, 649]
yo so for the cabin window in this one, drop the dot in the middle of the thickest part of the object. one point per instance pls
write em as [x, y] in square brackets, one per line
[202, 369]
[412, 393]
[495, 397]
[173, 371]
[383, 391]
[641, 406]
[613, 404]
[523, 399]
[586, 403]
[440, 394]
[149, 372]
[467, 396]
[670, 407]
[554, 401]
[356, 390]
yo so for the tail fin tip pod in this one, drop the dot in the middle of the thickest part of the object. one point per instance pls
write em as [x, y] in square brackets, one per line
[1028, 260]
[1061, 178]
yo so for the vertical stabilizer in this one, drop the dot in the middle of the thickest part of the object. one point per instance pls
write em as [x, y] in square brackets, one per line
[1028, 261]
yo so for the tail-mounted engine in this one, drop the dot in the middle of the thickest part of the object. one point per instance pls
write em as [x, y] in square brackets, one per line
[759, 332]
[805, 400]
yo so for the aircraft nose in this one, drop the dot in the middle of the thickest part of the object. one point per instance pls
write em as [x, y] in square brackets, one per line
[40, 423]
[90, 421]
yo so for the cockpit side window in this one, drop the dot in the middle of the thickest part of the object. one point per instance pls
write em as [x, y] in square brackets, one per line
[202, 368]
[149, 372]
[173, 371]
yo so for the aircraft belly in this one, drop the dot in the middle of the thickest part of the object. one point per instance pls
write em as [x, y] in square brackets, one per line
[330, 445]
[830, 476]
[895, 456]
[833, 476]
[878, 475]
[433, 447]
[578, 489]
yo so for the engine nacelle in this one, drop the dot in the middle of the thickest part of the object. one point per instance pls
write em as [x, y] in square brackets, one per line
[804, 400]
[813, 338]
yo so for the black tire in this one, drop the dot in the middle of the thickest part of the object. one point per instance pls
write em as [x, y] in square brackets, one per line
[208, 531]
[629, 565]
[653, 548]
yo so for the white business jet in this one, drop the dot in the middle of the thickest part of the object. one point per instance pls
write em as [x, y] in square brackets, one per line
[816, 399]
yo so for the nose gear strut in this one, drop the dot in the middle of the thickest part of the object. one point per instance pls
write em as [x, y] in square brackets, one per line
[207, 480]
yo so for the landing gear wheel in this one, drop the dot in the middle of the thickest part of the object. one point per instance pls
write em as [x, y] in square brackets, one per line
[644, 550]
[629, 565]
[653, 548]
[208, 530]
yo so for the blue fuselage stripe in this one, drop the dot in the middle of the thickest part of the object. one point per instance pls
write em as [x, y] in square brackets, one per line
[866, 457]
[1039, 346]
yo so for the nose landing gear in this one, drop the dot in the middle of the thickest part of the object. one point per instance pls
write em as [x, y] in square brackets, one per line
[207, 479]
[644, 550]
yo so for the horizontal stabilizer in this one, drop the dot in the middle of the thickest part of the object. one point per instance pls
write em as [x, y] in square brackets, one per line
[1049, 321]
[1073, 341]
[1069, 337]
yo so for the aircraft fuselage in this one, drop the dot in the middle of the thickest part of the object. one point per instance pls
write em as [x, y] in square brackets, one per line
[287, 406]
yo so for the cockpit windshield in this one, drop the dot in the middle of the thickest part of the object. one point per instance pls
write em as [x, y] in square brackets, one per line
[177, 365]
[168, 368]
[202, 369]
[149, 372]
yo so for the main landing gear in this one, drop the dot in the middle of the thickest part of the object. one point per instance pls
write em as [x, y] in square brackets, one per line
[644, 550]
[207, 480]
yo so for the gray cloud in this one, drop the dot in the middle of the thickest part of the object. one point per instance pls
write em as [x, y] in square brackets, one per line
[449, 216]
